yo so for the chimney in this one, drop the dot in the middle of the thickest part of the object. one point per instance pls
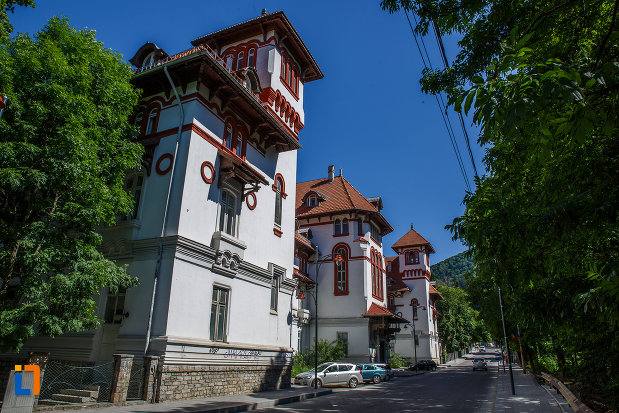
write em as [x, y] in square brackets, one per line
[340, 171]
[264, 11]
[331, 173]
[412, 226]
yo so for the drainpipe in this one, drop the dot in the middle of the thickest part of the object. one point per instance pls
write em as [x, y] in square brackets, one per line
[165, 211]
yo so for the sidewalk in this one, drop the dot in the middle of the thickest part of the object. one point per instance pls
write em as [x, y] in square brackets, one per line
[530, 396]
[225, 404]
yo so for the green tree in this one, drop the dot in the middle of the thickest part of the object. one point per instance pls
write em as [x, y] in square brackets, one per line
[458, 325]
[64, 153]
[9, 6]
[452, 270]
[541, 79]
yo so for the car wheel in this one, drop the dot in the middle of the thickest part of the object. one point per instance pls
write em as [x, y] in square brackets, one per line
[352, 383]
[376, 379]
[319, 383]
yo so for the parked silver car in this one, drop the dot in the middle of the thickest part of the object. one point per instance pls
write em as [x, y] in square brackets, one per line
[332, 374]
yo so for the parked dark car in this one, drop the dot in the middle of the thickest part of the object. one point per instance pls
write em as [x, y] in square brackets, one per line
[429, 365]
[372, 373]
[387, 368]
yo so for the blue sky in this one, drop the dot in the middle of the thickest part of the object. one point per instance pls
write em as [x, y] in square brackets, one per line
[367, 116]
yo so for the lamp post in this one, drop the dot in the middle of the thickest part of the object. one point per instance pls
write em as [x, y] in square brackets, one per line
[415, 307]
[318, 263]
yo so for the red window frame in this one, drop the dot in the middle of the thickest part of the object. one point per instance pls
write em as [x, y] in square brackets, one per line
[336, 249]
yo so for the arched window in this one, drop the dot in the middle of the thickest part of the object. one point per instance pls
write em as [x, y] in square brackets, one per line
[138, 124]
[239, 145]
[379, 274]
[239, 61]
[150, 124]
[227, 217]
[228, 136]
[278, 202]
[133, 186]
[229, 61]
[149, 59]
[250, 58]
[337, 230]
[360, 226]
[312, 201]
[345, 226]
[341, 271]
[415, 305]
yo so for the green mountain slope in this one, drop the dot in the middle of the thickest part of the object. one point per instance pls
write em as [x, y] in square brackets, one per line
[451, 271]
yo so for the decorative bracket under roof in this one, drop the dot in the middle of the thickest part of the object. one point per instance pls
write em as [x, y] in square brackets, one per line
[231, 166]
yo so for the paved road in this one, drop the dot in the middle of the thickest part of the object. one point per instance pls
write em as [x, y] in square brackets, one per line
[454, 389]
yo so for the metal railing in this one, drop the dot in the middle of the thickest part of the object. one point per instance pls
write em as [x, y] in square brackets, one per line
[191, 51]
[60, 375]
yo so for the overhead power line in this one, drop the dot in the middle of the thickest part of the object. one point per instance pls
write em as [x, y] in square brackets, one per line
[439, 40]
[441, 105]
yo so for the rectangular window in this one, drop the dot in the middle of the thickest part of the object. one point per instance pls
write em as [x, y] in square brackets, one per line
[115, 307]
[227, 218]
[219, 314]
[274, 292]
[342, 338]
[375, 233]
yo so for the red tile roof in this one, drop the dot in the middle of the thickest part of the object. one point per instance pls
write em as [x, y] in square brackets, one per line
[376, 310]
[434, 291]
[303, 241]
[340, 196]
[411, 239]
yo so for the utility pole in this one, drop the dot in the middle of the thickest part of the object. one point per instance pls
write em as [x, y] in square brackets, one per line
[509, 357]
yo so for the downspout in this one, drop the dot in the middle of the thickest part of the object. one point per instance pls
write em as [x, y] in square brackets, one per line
[165, 211]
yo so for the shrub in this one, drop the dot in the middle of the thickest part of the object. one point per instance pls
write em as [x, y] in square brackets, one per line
[398, 360]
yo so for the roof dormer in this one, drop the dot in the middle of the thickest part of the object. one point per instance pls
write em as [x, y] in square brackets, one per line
[147, 55]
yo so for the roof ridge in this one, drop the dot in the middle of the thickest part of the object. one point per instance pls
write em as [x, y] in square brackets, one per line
[346, 190]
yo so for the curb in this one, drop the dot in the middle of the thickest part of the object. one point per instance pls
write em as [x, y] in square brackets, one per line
[228, 406]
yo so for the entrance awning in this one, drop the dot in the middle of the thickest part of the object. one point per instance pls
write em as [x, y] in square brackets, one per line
[378, 311]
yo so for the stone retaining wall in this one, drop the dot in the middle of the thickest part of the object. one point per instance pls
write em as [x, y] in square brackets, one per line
[184, 382]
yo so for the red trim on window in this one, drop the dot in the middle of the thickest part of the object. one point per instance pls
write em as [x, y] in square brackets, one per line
[336, 248]
[251, 205]
[340, 235]
[277, 232]
[274, 186]
[160, 160]
[376, 242]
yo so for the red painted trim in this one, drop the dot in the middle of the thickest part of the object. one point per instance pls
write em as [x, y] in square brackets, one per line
[277, 232]
[207, 164]
[161, 159]
[346, 248]
[253, 204]
[274, 186]
[292, 92]
[376, 242]
[341, 235]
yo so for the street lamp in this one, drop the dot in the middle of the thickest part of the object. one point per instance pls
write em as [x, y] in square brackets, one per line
[318, 263]
[415, 307]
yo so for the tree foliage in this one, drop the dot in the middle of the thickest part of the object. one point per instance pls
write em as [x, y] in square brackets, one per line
[459, 324]
[540, 78]
[64, 153]
[452, 270]
[7, 6]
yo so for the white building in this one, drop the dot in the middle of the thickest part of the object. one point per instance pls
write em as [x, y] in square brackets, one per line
[213, 232]
[413, 296]
[347, 229]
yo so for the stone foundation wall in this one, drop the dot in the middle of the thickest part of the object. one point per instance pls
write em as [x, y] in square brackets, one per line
[184, 382]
